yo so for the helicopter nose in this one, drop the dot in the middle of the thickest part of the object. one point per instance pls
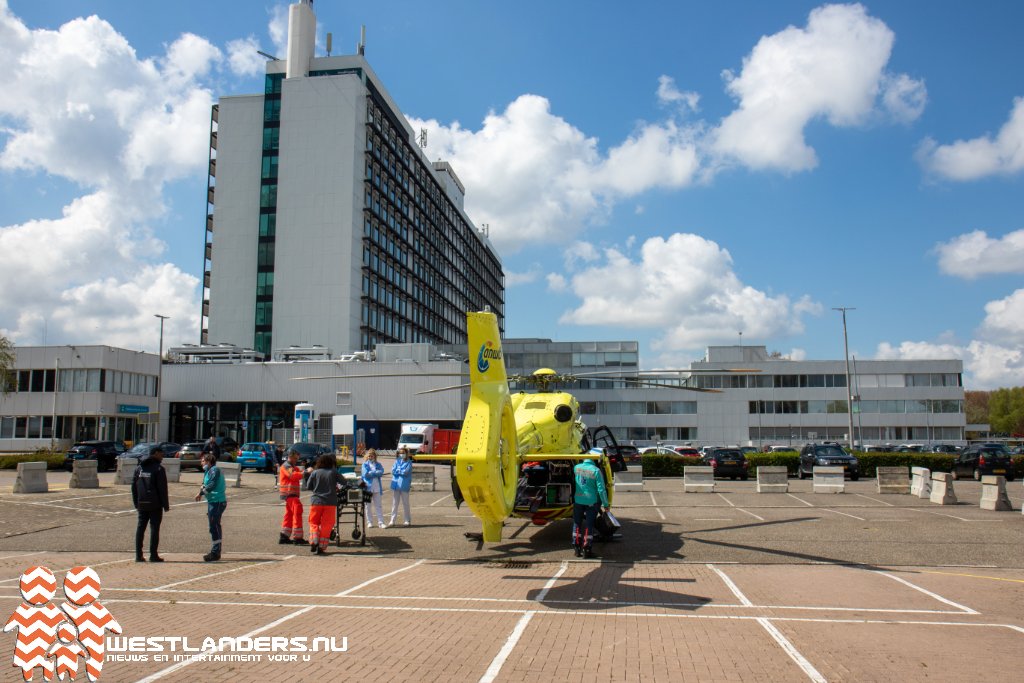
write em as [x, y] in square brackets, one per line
[563, 413]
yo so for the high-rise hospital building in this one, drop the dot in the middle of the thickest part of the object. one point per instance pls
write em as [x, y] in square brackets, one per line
[327, 224]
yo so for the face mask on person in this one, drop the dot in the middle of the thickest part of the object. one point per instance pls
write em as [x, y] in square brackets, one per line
[206, 466]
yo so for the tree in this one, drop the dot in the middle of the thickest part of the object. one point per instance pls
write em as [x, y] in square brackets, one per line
[1006, 410]
[6, 364]
[976, 407]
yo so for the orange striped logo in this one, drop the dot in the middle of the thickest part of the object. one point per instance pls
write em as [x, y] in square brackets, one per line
[55, 639]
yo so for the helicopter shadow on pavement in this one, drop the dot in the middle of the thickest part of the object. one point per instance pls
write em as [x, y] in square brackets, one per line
[637, 540]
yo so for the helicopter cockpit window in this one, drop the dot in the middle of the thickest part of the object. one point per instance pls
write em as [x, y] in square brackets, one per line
[563, 413]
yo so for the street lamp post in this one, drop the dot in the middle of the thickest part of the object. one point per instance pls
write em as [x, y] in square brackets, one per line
[846, 351]
[160, 375]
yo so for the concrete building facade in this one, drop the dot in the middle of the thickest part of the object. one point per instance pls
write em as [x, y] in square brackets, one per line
[327, 224]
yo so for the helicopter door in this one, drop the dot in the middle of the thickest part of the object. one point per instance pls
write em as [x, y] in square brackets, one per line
[602, 437]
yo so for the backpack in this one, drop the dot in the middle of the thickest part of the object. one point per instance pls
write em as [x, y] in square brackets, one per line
[146, 496]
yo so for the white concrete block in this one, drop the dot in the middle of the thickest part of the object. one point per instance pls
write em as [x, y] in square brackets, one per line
[892, 480]
[828, 479]
[422, 478]
[172, 466]
[921, 482]
[232, 472]
[84, 475]
[699, 479]
[125, 470]
[993, 494]
[628, 481]
[31, 478]
[942, 489]
[772, 479]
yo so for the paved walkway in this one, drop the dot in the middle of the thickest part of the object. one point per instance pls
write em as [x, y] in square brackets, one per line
[708, 587]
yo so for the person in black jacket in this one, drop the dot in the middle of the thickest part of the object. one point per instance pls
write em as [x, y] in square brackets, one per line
[149, 496]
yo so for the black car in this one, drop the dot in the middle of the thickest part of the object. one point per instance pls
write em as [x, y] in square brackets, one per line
[828, 454]
[728, 462]
[308, 452]
[981, 459]
[169, 448]
[103, 452]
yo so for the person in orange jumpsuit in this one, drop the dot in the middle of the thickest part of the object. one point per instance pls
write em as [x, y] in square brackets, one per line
[289, 480]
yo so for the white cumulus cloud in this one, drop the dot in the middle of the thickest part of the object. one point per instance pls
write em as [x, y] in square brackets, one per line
[684, 285]
[975, 254]
[987, 365]
[80, 104]
[980, 157]
[243, 58]
[834, 69]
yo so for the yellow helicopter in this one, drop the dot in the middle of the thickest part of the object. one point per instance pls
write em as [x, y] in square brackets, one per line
[517, 451]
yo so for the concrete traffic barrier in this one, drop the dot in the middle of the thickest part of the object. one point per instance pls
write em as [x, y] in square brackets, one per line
[942, 489]
[772, 479]
[921, 482]
[31, 478]
[125, 470]
[628, 481]
[699, 479]
[993, 494]
[422, 478]
[172, 466]
[828, 479]
[892, 479]
[84, 475]
[232, 472]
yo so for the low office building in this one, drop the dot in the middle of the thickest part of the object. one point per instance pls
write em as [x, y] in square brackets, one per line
[63, 394]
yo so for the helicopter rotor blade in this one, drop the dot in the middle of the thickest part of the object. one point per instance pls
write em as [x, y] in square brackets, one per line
[440, 389]
[387, 375]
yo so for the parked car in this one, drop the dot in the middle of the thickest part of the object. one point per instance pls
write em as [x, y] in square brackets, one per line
[688, 451]
[658, 450]
[827, 454]
[944, 448]
[728, 462]
[169, 448]
[103, 452]
[629, 453]
[747, 450]
[981, 459]
[191, 455]
[227, 444]
[783, 449]
[257, 455]
[308, 452]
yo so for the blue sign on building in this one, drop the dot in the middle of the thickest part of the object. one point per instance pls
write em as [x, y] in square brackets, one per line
[126, 408]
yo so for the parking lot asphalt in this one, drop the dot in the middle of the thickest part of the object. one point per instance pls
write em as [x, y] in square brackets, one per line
[840, 587]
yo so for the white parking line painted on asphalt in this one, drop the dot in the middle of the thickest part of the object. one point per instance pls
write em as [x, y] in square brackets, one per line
[732, 586]
[499, 659]
[751, 514]
[962, 519]
[712, 519]
[182, 664]
[440, 500]
[731, 504]
[801, 500]
[793, 653]
[877, 500]
[60, 571]
[655, 503]
[375, 579]
[226, 571]
[965, 610]
[552, 581]
[844, 513]
[104, 495]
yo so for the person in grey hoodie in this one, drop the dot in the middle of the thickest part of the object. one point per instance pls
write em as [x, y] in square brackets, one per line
[149, 496]
[323, 483]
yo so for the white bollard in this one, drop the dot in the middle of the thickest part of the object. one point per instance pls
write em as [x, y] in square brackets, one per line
[699, 479]
[31, 478]
[828, 480]
[942, 489]
[172, 466]
[993, 494]
[892, 480]
[125, 470]
[772, 479]
[422, 478]
[232, 472]
[921, 482]
[84, 475]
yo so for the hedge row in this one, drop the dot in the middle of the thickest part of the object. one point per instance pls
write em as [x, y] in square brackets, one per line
[54, 461]
[672, 466]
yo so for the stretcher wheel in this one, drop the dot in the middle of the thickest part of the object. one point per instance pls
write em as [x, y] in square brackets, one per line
[356, 534]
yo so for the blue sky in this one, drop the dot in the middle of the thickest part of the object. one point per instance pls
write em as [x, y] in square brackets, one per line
[675, 173]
